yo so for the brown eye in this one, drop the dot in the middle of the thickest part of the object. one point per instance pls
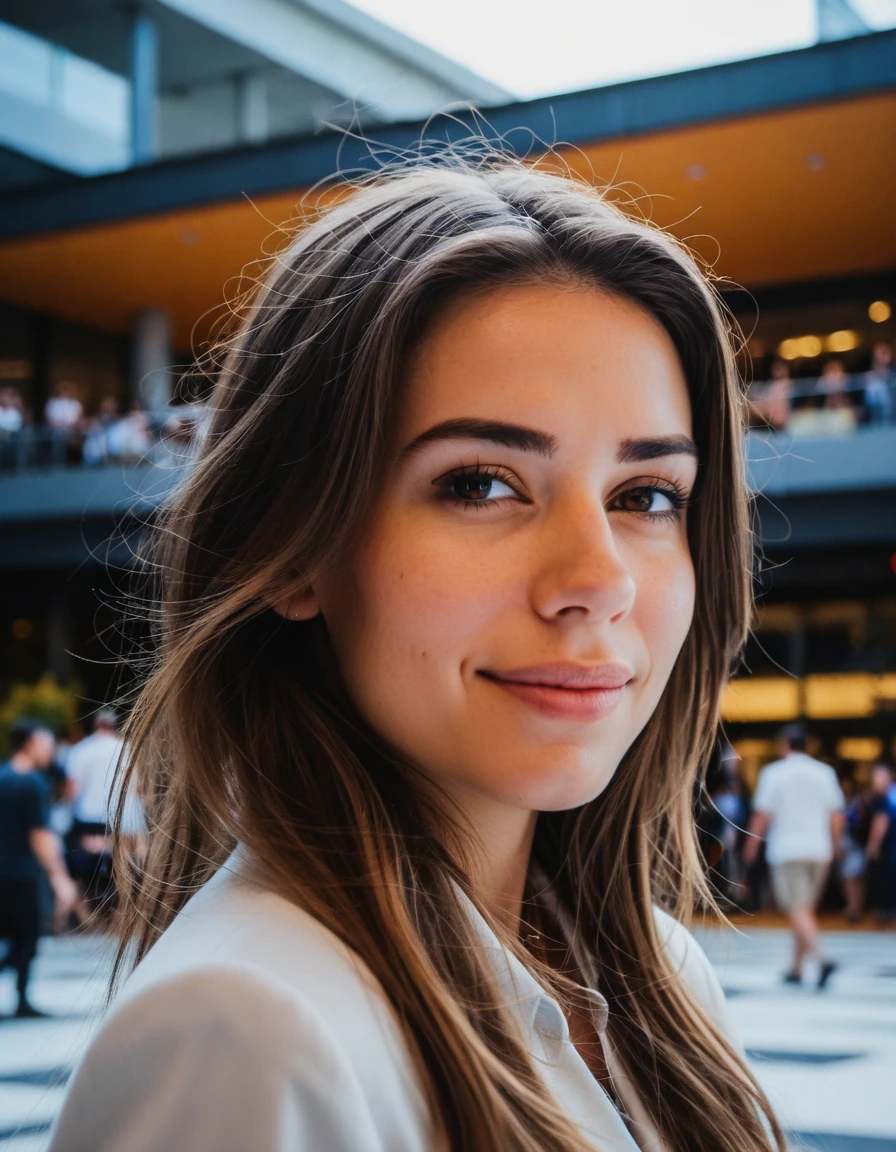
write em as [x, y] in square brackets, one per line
[477, 486]
[650, 500]
[638, 500]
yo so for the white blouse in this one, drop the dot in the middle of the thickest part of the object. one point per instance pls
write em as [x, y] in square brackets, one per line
[251, 1026]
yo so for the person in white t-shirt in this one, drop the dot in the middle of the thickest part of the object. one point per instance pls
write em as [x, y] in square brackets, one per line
[90, 768]
[12, 418]
[63, 410]
[798, 808]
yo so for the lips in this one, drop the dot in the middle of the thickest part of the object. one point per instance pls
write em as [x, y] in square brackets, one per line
[565, 691]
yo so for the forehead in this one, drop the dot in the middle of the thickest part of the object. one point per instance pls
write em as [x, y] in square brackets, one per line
[575, 362]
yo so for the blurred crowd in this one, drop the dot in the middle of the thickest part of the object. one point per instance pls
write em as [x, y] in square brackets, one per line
[69, 433]
[861, 879]
[797, 841]
[58, 802]
[833, 403]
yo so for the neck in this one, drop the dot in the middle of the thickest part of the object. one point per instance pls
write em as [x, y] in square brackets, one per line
[502, 847]
[20, 763]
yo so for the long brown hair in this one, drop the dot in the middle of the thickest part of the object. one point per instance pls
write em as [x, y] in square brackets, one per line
[242, 732]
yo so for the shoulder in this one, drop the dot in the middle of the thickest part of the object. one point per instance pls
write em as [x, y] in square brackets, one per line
[766, 785]
[77, 755]
[33, 784]
[692, 966]
[83, 746]
[25, 783]
[213, 1058]
[94, 748]
[232, 922]
[247, 1006]
[770, 771]
[831, 775]
[826, 776]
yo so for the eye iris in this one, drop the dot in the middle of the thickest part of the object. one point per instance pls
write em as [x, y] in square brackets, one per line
[472, 487]
[640, 499]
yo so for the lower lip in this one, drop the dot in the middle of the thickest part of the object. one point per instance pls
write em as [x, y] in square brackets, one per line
[564, 703]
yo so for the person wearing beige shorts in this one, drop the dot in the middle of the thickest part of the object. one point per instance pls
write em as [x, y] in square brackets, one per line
[798, 809]
[797, 884]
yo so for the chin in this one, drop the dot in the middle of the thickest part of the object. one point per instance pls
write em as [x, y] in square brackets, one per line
[557, 785]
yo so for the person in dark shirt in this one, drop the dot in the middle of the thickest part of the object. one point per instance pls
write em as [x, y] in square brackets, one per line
[28, 847]
[881, 850]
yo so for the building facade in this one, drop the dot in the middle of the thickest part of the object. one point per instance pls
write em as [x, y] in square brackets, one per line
[778, 172]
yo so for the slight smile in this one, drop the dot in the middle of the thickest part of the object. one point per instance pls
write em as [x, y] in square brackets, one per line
[566, 691]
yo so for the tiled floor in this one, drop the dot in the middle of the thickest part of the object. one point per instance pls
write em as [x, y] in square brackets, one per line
[36, 1056]
[828, 1060]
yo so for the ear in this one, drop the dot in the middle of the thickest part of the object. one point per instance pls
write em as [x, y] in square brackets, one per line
[300, 604]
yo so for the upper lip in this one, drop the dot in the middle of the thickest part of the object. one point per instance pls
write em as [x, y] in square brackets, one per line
[579, 676]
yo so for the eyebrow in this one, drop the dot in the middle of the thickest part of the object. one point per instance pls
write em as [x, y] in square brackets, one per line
[631, 451]
[655, 447]
[495, 431]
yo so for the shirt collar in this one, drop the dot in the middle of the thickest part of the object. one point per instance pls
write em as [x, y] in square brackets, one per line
[536, 1011]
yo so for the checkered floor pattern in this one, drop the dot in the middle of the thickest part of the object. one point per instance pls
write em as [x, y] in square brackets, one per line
[827, 1060]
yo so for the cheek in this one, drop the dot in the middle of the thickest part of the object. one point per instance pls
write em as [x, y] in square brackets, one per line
[402, 615]
[664, 608]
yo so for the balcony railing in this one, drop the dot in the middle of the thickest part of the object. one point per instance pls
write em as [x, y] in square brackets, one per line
[137, 438]
[824, 406]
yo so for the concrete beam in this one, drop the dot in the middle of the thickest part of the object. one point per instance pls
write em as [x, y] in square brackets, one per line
[783, 465]
[393, 78]
[45, 134]
[144, 76]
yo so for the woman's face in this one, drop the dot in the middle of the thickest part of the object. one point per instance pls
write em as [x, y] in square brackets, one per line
[523, 585]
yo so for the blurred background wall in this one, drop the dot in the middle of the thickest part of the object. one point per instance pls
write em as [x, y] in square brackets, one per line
[147, 153]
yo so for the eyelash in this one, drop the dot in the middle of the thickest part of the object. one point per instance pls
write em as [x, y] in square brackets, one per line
[675, 495]
[678, 498]
[493, 472]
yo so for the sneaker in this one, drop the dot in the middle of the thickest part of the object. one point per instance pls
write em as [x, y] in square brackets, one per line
[792, 978]
[828, 968]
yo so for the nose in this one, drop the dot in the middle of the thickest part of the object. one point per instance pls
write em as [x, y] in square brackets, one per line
[581, 573]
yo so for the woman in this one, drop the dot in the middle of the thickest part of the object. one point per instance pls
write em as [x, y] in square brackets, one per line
[447, 605]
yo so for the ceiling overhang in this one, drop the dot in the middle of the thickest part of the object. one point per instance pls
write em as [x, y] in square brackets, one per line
[776, 171]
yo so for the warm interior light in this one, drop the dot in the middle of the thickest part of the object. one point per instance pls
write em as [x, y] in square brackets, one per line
[777, 617]
[859, 748]
[754, 747]
[842, 341]
[800, 347]
[787, 350]
[825, 696]
[761, 698]
[879, 311]
[834, 696]
[22, 629]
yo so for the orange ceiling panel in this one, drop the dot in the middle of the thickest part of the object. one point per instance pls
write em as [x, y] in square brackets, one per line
[787, 196]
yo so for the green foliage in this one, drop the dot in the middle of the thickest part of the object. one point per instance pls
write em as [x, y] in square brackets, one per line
[54, 704]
